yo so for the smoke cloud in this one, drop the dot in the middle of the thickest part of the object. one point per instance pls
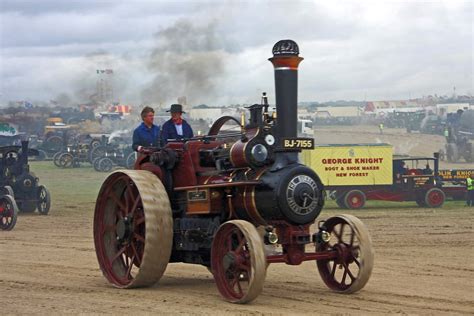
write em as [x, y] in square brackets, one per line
[187, 60]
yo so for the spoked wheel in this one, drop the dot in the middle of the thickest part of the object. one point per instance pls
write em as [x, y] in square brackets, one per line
[434, 197]
[8, 212]
[352, 268]
[56, 158]
[54, 143]
[7, 190]
[238, 261]
[105, 164]
[95, 163]
[133, 229]
[66, 160]
[130, 161]
[97, 152]
[44, 200]
[354, 199]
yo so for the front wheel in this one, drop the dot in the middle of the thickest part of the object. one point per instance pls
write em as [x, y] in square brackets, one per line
[351, 269]
[133, 229]
[8, 212]
[105, 164]
[238, 261]
[66, 160]
[44, 200]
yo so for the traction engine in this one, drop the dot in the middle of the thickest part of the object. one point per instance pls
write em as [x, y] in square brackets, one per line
[234, 201]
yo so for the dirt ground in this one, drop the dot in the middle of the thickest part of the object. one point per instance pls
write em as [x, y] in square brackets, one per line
[424, 263]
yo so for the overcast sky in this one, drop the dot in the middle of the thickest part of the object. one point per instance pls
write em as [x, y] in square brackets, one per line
[216, 52]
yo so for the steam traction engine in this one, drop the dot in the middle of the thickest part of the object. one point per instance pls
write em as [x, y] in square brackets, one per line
[223, 199]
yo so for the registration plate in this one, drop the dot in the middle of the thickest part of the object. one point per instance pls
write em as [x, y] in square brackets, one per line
[298, 143]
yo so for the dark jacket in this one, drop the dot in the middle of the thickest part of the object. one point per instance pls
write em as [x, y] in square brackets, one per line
[169, 131]
[146, 137]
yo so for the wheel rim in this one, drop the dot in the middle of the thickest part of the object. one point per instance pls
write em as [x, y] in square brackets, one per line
[95, 163]
[105, 165]
[127, 255]
[44, 201]
[8, 213]
[351, 270]
[130, 161]
[435, 198]
[238, 261]
[97, 152]
[54, 143]
[355, 200]
[66, 160]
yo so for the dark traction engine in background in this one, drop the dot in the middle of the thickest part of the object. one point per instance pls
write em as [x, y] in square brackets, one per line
[233, 201]
[20, 189]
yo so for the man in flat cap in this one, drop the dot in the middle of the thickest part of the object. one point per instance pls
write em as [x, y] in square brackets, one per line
[176, 127]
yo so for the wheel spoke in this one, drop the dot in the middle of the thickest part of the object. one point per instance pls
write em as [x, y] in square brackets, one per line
[352, 237]
[129, 270]
[140, 220]
[334, 267]
[119, 253]
[356, 261]
[343, 281]
[117, 201]
[240, 245]
[139, 237]
[348, 270]
[136, 255]
[134, 206]
[239, 286]
[341, 232]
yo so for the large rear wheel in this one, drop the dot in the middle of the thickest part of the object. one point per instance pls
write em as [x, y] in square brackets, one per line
[8, 212]
[238, 261]
[133, 229]
[351, 270]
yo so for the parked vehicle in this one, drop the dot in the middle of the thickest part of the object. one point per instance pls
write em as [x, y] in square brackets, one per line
[360, 172]
[19, 182]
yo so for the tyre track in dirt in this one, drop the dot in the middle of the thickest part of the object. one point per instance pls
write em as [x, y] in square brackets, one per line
[53, 269]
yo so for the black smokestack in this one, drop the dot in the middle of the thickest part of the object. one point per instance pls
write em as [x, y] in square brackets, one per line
[285, 62]
[24, 152]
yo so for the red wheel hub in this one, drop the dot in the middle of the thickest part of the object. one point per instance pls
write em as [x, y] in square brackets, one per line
[355, 200]
[435, 198]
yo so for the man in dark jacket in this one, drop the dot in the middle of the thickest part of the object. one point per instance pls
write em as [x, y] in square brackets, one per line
[176, 127]
[146, 134]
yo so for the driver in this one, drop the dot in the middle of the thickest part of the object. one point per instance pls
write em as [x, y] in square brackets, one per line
[146, 134]
[176, 127]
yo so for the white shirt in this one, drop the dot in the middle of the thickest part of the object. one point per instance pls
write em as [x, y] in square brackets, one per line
[179, 129]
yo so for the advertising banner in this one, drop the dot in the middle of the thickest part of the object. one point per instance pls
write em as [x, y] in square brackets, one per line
[358, 164]
[455, 175]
